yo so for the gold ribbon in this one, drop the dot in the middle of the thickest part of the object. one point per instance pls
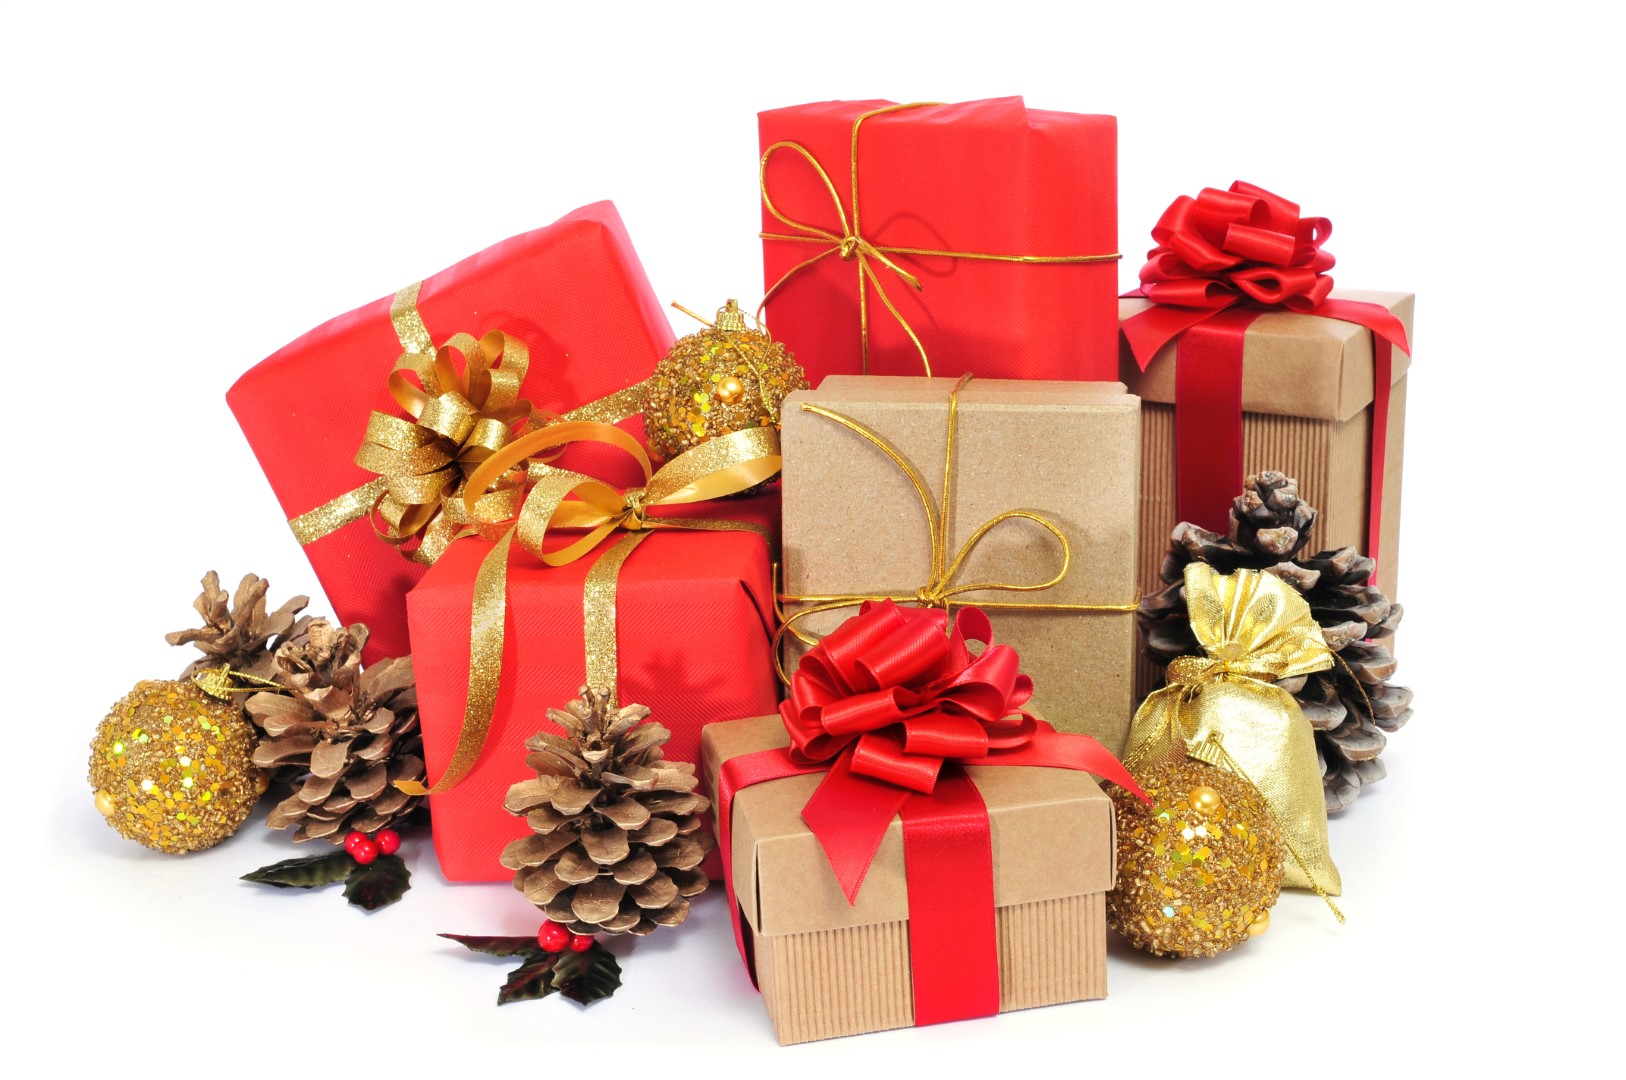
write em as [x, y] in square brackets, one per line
[721, 466]
[940, 589]
[458, 421]
[850, 244]
[1224, 708]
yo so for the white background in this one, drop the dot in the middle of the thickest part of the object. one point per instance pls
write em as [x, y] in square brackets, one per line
[186, 189]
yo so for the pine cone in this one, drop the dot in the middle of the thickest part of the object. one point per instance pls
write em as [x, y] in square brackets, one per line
[239, 635]
[1351, 705]
[349, 734]
[617, 845]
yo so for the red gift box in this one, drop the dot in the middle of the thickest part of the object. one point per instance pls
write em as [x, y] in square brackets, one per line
[694, 632]
[1026, 201]
[574, 293]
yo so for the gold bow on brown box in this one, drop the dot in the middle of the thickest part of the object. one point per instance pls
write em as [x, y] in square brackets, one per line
[1224, 708]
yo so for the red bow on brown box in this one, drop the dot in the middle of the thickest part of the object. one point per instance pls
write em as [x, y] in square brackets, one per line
[1222, 259]
[888, 707]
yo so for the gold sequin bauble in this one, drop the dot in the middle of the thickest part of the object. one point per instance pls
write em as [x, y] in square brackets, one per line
[171, 767]
[724, 379]
[1193, 882]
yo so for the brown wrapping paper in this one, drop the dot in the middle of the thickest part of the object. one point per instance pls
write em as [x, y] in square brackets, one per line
[1306, 400]
[827, 968]
[1066, 450]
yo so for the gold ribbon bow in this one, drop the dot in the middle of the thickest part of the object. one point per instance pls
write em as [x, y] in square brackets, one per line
[458, 421]
[1223, 707]
[939, 588]
[721, 466]
[850, 244]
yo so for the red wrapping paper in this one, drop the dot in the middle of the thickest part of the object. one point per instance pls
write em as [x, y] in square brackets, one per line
[573, 292]
[986, 176]
[694, 633]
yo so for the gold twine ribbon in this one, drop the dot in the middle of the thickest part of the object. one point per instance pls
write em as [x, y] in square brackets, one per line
[456, 421]
[1223, 708]
[721, 466]
[940, 588]
[850, 244]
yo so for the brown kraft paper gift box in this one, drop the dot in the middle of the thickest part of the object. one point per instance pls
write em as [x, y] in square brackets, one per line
[827, 968]
[1307, 410]
[1069, 451]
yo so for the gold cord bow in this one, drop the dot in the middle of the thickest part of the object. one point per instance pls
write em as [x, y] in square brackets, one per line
[850, 244]
[939, 588]
[1224, 708]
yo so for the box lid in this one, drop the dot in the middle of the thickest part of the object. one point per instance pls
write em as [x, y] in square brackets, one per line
[1052, 832]
[1292, 365]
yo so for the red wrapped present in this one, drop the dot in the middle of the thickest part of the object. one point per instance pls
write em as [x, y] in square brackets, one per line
[578, 322]
[937, 239]
[692, 626]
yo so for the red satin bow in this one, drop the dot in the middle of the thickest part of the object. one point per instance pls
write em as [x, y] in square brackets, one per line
[892, 696]
[1222, 246]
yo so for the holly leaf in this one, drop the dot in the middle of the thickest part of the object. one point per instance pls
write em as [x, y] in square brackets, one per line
[530, 980]
[378, 884]
[586, 977]
[310, 872]
[498, 946]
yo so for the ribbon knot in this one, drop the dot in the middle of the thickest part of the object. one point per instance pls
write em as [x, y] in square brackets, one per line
[847, 250]
[633, 511]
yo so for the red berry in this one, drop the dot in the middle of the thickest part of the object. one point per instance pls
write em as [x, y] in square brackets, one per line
[364, 852]
[388, 841]
[580, 942]
[552, 937]
[352, 839]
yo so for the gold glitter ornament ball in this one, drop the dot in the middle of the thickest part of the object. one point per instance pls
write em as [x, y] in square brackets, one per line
[1198, 869]
[723, 379]
[171, 767]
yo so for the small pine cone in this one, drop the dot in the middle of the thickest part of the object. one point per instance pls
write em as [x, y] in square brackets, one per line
[348, 735]
[1352, 705]
[617, 842]
[237, 632]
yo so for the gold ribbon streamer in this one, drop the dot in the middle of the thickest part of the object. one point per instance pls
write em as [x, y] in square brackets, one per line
[1223, 707]
[850, 244]
[721, 466]
[939, 589]
[457, 421]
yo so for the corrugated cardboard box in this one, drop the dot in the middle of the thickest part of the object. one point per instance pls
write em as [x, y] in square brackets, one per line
[827, 968]
[1306, 401]
[1069, 451]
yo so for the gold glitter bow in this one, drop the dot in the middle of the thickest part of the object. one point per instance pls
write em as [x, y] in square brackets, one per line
[939, 589]
[458, 420]
[1224, 708]
[721, 466]
[850, 245]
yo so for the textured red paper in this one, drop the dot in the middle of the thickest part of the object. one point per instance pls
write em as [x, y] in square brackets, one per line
[574, 292]
[989, 176]
[694, 630]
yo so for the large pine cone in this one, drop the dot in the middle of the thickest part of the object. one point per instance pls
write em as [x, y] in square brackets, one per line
[617, 843]
[347, 734]
[238, 633]
[1351, 705]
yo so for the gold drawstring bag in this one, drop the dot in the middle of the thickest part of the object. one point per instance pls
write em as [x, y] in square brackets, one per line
[1224, 708]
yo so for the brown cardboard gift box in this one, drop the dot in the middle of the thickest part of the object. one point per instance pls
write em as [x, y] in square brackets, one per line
[1306, 402]
[854, 525]
[827, 968]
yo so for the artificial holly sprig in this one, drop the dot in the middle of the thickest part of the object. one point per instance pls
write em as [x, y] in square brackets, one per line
[374, 875]
[556, 961]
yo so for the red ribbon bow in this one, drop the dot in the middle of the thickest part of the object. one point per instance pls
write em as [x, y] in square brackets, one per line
[1224, 246]
[1221, 260]
[894, 700]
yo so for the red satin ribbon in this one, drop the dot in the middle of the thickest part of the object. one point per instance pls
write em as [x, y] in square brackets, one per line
[890, 705]
[1221, 259]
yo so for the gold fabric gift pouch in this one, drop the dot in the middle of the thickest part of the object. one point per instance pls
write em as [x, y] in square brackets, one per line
[1226, 709]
